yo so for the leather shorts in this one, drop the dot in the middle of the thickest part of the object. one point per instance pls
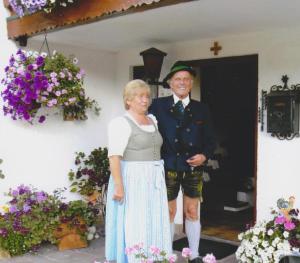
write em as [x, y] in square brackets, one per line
[190, 182]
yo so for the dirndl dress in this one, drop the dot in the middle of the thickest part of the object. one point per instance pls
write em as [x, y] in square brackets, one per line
[143, 216]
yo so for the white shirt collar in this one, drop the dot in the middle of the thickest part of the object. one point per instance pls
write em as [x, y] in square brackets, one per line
[185, 101]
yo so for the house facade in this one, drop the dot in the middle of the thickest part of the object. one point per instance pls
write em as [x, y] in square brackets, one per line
[42, 155]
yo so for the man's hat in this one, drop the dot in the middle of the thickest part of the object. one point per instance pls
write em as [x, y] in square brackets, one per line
[179, 66]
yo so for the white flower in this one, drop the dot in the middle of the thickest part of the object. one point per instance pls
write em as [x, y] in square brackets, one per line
[265, 244]
[44, 54]
[96, 236]
[92, 229]
[240, 236]
[90, 236]
[286, 234]
[270, 232]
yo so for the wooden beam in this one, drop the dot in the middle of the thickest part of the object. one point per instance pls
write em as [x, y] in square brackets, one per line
[81, 12]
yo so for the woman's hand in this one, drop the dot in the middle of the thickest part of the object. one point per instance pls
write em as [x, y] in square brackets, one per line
[119, 192]
[115, 168]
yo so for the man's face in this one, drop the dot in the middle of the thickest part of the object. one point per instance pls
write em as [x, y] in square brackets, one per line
[181, 84]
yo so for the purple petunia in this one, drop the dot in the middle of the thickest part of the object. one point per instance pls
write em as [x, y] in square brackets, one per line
[26, 208]
[3, 232]
[13, 209]
[41, 196]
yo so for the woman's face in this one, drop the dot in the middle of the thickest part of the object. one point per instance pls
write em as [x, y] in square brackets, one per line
[140, 102]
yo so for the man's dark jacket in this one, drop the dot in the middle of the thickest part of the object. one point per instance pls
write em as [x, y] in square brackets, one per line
[185, 137]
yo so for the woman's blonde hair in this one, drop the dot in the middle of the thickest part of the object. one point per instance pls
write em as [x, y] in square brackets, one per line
[132, 88]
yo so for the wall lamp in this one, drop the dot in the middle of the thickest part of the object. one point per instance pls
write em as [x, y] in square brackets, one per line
[153, 60]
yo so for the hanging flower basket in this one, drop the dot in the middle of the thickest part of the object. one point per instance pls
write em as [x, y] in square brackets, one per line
[34, 80]
[23, 7]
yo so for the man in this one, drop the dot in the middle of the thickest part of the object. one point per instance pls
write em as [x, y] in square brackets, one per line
[188, 142]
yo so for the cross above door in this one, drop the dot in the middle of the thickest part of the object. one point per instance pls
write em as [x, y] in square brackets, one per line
[216, 48]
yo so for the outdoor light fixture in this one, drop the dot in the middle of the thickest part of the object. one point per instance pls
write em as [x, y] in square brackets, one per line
[153, 60]
[282, 105]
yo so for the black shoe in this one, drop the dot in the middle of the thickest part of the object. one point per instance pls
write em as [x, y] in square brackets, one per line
[196, 260]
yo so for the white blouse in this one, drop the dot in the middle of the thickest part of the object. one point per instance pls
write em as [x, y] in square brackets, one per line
[119, 132]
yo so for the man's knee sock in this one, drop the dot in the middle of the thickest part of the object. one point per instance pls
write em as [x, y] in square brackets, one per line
[172, 226]
[193, 231]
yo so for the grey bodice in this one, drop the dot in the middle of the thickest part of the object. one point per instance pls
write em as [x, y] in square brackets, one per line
[142, 145]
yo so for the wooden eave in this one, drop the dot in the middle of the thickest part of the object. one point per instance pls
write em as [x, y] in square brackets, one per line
[81, 12]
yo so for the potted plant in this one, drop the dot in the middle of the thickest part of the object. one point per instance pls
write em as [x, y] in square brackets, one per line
[34, 80]
[90, 179]
[29, 219]
[77, 224]
[23, 7]
[269, 241]
[34, 217]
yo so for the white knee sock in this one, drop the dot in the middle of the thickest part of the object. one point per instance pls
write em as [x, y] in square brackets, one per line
[172, 226]
[193, 231]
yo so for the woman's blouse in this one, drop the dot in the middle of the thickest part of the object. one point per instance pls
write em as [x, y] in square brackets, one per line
[119, 131]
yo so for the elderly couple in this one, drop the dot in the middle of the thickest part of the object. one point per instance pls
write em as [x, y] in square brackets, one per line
[153, 151]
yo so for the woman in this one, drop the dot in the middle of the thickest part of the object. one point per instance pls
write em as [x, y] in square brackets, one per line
[137, 208]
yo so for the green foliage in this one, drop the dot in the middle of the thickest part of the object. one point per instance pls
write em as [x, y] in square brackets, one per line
[72, 96]
[33, 217]
[92, 173]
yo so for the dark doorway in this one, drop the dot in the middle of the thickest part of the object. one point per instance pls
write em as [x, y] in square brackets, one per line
[229, 86]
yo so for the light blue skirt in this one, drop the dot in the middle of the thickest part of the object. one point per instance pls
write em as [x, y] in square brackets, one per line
[143, 216]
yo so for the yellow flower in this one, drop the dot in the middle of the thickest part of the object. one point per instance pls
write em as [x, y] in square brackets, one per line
[5, 208]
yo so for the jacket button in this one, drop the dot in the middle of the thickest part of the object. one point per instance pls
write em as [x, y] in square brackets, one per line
[191, 115]
[176, 140]
[186, 154]
[188, 129]
[177, 154]
[177, 126]
[191, 144]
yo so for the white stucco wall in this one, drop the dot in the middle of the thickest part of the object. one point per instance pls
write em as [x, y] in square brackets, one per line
[42, 155]
[278, 53]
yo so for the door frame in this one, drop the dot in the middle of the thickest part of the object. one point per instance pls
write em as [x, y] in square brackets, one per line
[234, 59]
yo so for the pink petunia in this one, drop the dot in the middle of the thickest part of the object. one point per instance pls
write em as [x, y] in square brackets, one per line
[209, 258]
[186, 252]
[279, 220]
[154, 250]
[129, 250]
[289, 225]
[172, 258]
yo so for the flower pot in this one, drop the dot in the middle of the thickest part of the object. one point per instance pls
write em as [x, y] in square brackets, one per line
[4, 254]
[65, 229]
[71, 241]
[70, 237]
[93, 197]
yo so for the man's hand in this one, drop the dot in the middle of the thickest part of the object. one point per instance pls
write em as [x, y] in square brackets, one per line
[196, 160]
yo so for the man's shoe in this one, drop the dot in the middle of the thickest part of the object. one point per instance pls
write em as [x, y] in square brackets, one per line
[196, 260]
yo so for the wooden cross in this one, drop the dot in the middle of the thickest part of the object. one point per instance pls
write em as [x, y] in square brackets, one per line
[216, 48]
